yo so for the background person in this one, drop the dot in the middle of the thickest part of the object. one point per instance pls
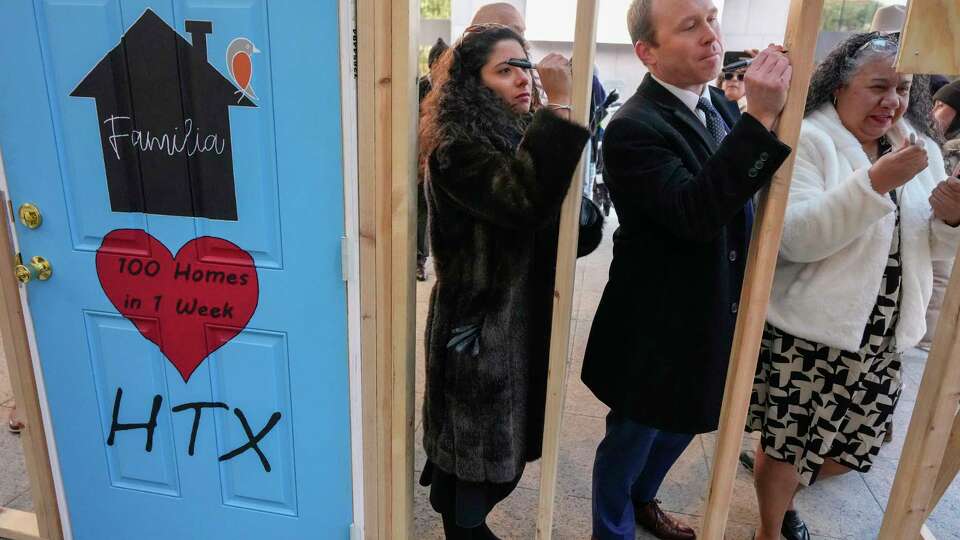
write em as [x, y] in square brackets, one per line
[423, 243]
[731, 82]
[946, 114]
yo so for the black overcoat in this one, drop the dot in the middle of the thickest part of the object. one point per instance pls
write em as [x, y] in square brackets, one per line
[660, 342]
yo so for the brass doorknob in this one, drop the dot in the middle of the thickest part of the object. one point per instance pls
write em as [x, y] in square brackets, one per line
[23, 273]
[42, 267]
[39, 269]
[30, 216]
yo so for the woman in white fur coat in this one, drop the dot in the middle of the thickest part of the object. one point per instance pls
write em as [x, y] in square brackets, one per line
[869, 210]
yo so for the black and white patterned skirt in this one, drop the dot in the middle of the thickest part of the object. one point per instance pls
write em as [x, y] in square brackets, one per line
[812, 402]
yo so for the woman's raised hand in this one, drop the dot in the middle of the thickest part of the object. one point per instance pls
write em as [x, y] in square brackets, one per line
[556, 78]
[945, 201]
[898, 167]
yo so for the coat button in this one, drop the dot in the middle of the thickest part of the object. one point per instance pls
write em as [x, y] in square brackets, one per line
[734, 307]
[752, 173]
[732, 256]
[758, 165]
[764, 156]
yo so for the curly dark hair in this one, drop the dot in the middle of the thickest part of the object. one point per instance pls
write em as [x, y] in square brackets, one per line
[460, 106]
[843, 63]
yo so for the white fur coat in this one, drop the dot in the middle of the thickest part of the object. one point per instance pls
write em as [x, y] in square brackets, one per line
[837, 235]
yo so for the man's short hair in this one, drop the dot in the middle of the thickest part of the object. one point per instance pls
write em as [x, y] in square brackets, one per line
[640, 22]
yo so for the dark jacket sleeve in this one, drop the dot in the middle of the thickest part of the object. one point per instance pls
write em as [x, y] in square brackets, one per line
[515, 191]
[643, 165]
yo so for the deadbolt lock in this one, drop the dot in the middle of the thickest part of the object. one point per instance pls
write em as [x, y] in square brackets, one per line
[30, 216]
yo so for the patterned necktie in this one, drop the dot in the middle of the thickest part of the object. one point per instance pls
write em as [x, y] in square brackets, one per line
[715, 125]
[718, 129]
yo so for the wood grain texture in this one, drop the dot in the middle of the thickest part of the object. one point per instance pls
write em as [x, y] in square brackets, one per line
[931, 453]
[934, 415]
[949, 467]
[16, 349]
[584, 47]
[387, 115]
[803, 25]
[373, 462]
[404, 107]
[931, 41]
[18, 525]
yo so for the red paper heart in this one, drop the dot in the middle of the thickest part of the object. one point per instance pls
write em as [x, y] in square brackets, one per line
[189, 306]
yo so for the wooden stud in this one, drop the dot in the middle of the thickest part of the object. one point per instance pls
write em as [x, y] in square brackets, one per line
[18, 525]
[387, 120]
[404, 106]
[374, 464]
[16, 349]
[803, 25]
[930, 41]
[926, 441]
[949, 467]
[584, 47]
[931, 453]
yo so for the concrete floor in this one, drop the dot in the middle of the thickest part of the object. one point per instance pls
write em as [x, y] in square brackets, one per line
[850, 507]
[14, 484]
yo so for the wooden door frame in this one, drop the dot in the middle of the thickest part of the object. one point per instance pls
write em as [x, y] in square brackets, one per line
[387, 119]
[44, 523]
[350, 253]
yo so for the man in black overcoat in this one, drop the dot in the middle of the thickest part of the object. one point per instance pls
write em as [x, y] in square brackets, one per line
[682, 166]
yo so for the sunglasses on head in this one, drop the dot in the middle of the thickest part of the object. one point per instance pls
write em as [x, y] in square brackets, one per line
[880, 43]
[728, 76]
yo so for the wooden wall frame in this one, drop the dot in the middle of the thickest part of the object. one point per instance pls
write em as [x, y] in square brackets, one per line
[936, 47]
[387, 113]
[931, 451]
[584, 49]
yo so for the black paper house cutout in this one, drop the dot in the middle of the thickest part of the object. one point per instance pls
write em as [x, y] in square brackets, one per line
[164, 122]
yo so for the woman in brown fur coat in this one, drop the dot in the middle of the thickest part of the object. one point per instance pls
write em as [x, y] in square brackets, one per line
[496, 177]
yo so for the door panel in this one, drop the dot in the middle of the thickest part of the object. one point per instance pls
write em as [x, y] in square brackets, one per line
[253, 438]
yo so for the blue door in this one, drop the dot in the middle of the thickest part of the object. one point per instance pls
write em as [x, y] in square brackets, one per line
[185, 158]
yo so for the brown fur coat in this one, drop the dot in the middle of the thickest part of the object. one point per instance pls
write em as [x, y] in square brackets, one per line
[493, 229]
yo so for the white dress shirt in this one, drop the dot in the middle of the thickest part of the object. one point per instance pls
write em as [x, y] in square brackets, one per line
[690, 99]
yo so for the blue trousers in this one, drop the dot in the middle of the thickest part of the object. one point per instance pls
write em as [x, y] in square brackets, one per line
[632, 461]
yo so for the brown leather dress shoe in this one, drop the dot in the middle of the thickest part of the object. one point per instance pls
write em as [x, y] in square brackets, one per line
[660, 524]
[15, 426]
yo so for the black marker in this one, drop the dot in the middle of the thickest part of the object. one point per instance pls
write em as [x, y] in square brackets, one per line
[520, 63]
[738, 64]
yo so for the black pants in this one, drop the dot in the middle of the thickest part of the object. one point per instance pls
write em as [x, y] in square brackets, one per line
[464, 505]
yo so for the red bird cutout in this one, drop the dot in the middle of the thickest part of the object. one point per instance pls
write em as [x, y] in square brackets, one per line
[240, 53]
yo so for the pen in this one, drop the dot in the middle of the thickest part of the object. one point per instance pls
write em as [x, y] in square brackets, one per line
[740, 64]
[520, 63]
